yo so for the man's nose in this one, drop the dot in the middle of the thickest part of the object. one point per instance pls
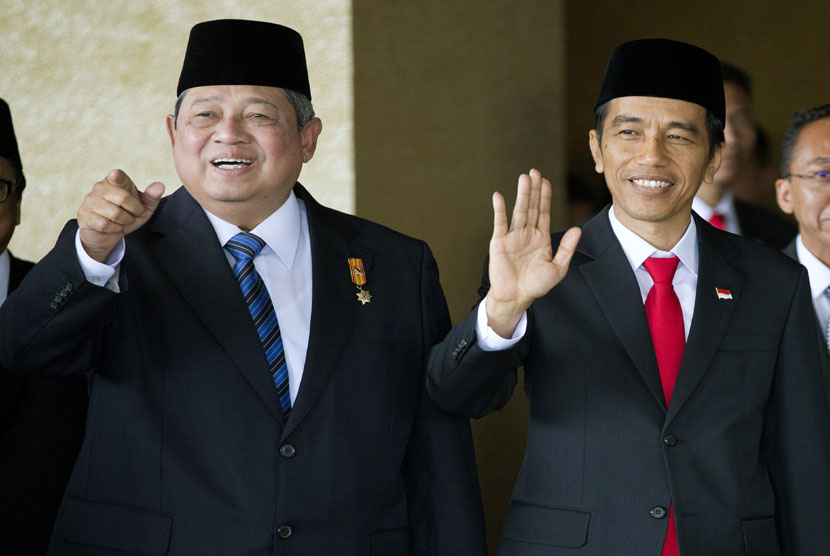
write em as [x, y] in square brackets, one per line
[230, 130]
[652, 152]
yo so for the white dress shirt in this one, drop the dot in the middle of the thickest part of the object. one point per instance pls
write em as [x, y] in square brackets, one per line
[819, 276]
[284, 265]
[636, 250]
[5, 271]
[726, 207]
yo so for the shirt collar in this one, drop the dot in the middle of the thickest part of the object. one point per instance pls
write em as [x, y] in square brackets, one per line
[280, 231]
[818, 272]
[637, 250]
[725, 206]
[5, 274]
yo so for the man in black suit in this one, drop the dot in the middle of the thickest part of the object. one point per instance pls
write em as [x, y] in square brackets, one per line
[804, 191]
[258, 359]
[41, 419]
[716, 201]
[676, 404]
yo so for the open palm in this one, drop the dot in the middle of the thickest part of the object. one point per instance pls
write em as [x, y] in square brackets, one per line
[522, 265]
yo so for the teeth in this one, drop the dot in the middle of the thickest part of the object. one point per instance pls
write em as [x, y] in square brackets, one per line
[232, 162]
[652, 183]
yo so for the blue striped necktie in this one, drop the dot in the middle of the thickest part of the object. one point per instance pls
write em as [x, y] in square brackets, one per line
[244, 247]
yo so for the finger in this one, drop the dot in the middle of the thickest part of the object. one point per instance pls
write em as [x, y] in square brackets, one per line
[95, 221]
[499, 216]
[151, 197]
[533, 202]
[105, 207]
[545, 194]
[120, 179]
[519, 219]
[119, 196]
[566, 249]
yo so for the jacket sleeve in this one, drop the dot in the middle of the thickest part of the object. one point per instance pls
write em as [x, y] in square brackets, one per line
[53, 322]
[446, 515]
[464, 379]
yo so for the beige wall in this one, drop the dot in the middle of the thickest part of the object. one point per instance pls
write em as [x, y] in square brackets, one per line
[90, 82]
[782, 45]
[452, 101]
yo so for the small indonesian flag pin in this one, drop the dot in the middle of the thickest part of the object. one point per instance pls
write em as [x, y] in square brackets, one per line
[723, 294]
[359, 279]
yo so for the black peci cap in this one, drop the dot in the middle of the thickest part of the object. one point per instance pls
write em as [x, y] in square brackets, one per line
[241, 52]
[8, 141]
[664, 68]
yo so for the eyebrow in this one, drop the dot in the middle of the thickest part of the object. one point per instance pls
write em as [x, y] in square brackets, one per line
[250, 100]
[819, 160]
[626, 119]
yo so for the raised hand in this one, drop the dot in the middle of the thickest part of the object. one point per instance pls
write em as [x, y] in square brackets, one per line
[113, 209]
[522, 266]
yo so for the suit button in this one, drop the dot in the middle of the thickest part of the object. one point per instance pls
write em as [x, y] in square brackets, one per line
[670, 440]
[658, 512]
[285, 531]
[287, 451]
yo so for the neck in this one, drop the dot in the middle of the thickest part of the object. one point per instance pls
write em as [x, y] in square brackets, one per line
[711, 193]
[664, 234]
[817, 247]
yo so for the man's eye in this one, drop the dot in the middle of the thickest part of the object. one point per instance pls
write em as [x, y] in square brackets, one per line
[259, 116]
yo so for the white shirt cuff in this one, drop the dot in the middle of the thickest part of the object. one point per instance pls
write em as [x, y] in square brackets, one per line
[488, 339]
[100, 274]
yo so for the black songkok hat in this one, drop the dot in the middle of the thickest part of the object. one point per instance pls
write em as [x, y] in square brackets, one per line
[240, 52]
[664, 68]
[8, 142]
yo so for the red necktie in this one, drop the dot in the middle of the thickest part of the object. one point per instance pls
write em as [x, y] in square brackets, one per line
[718, 221]
[665, 321]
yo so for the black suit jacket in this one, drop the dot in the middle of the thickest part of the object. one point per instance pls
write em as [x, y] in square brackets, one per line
[41, 430]
[824, 356]
[187, 450]
[763, 225]
[741, 453]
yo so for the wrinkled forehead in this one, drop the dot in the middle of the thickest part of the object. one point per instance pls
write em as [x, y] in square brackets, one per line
[813, 144]
[235, 94]
[655, 110]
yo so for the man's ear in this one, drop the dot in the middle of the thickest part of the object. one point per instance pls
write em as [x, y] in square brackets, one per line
[596, 151]
[714, 164]
[784, 195]
[171, 129]
[310, 132]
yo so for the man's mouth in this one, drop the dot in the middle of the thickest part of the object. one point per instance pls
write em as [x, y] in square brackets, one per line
[654, 184]
[231, 163]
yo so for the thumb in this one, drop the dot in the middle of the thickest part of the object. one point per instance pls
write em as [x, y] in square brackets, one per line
[566, 248]
[151, 197]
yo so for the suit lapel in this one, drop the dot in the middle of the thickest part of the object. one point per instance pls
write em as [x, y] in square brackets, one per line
[191, 256]
[712, 314]
[334, 301]
[616, 290]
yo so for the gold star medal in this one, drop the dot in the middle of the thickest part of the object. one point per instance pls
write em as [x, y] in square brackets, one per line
[359, 279]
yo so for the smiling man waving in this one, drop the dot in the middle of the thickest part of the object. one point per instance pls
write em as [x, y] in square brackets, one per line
[676, 401]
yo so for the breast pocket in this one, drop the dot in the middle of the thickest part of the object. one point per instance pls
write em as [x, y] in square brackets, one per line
[751, 343]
